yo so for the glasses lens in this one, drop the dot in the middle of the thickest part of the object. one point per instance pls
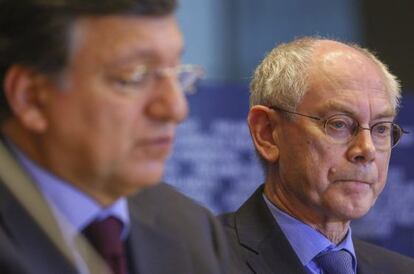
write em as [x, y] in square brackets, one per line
[188, 76]
[396, 134]
[340, 127]
[382, 135]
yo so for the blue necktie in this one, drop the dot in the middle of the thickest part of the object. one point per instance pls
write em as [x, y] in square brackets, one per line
[335, 262]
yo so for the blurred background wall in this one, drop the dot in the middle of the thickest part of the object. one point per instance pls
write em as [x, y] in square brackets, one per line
[214, 160]
[230, 37]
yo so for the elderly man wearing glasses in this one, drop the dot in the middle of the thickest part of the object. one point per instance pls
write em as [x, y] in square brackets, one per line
[91, 94]
[322, 122]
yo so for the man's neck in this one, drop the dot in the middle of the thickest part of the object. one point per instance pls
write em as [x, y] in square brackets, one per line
[334, 230]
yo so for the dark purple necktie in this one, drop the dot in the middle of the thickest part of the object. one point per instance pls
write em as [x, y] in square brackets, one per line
[105, 237]
[336, 262]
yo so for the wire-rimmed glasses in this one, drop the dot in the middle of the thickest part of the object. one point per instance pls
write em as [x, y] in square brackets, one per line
[341, 128]
[144, 78]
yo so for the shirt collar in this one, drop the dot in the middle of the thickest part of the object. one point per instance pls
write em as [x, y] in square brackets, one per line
[78, 208]
[306, 241]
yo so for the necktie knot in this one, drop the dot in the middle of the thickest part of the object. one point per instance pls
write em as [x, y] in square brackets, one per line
[335, 262]
[105, 237]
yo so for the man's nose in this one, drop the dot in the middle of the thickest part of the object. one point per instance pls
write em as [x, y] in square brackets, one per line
[170, 103]
[362, 148]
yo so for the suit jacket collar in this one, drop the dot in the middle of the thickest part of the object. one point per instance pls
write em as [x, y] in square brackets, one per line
[268, 248]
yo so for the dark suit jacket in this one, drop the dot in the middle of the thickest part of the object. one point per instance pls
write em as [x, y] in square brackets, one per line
[169, 234]
[258, 245]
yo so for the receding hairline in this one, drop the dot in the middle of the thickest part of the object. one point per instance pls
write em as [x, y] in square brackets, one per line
[82, 25]
[324, 51]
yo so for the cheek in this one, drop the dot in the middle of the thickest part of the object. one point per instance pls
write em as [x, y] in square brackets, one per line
[307, 156]
[382, 164]
[111, 140]
[327, 158]
[307, 163]
[323, 159]
[107, 127]
[116, 132]
[116, 116]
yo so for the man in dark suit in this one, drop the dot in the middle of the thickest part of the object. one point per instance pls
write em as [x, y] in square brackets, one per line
[321, 120]
[91, 93]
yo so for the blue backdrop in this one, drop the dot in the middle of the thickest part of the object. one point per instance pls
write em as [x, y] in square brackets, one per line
[214, 162]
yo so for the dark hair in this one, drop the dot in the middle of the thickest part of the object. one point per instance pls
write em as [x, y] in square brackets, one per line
[35, 33]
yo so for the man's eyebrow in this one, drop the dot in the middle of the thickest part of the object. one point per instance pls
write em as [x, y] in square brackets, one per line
[347, 109]
[139, 54]
[142, 54]
[385, 114]
[332, 106]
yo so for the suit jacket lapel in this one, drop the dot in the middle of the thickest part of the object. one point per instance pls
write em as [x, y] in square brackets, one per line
[27, 216]
[364, 267]
[267, 249]
[152, 251]
[365, 264]
[32, 244]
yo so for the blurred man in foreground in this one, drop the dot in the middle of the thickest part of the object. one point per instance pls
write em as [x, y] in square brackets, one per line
[322, 121]
[91, 93]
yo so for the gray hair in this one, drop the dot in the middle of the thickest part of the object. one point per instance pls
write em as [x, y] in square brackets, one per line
[392, 84]
[282, 77]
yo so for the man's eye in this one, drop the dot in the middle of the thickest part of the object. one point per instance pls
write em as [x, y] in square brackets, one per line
[338, 124]
[135, 81]
[382, 129]
[128, 82]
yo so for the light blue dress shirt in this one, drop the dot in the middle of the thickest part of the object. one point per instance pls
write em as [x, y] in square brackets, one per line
[73, 209]
[307, 242]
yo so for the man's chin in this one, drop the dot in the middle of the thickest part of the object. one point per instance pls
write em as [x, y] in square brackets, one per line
[145, 182]
[137, 177]
[356, 211]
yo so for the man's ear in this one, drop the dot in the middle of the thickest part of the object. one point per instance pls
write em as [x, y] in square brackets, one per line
[261, 121]
[25, 94]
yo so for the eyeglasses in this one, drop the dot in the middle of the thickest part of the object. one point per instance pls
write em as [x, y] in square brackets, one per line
[143, 78]
[341, 128]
